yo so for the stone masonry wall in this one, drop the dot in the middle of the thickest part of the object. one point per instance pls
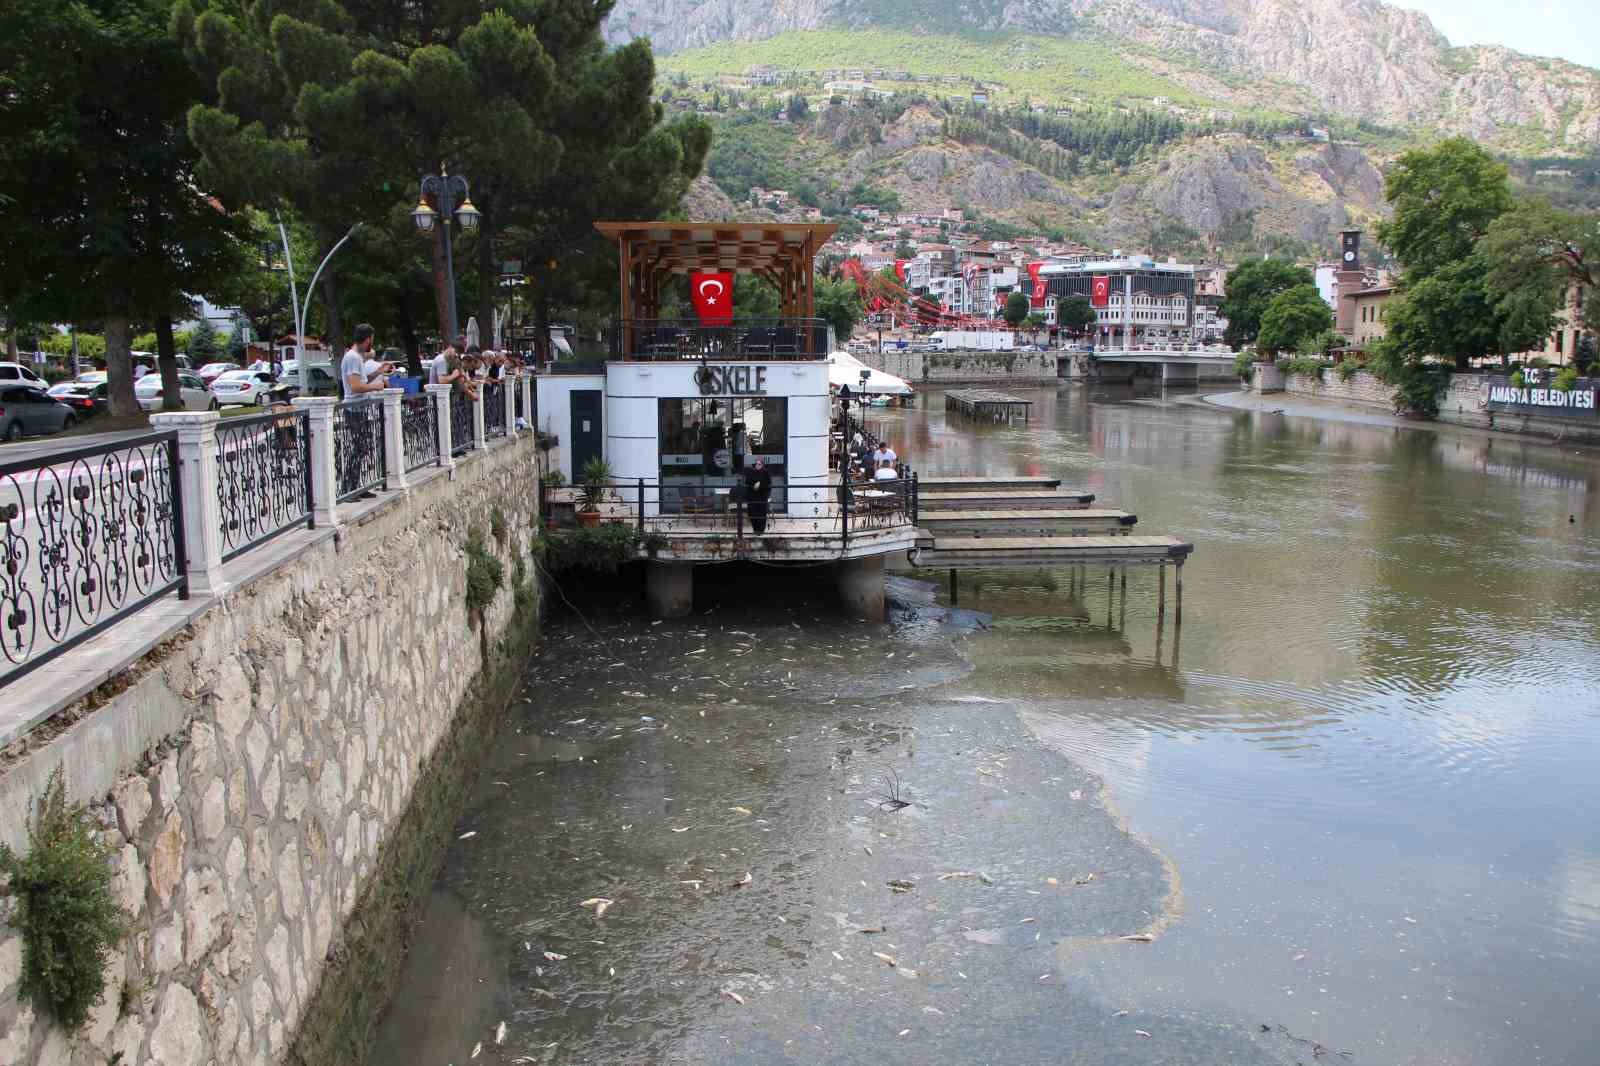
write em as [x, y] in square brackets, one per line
[953, 368]
[316, 697]
[1362, 390]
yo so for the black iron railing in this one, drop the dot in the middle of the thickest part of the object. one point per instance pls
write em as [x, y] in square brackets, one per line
[494, 409]
[463, 427]
[419, 431]
[263, 478]
[755, 339]
[871, 505]
[87, 537]
[517, 406]
[358, 459]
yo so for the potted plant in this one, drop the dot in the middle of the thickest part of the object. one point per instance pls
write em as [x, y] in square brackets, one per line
[596, 475]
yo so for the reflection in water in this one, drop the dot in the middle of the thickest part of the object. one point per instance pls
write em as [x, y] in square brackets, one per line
[1374, 766]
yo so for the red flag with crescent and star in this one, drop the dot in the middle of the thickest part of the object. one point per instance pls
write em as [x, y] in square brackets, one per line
[1040, 288]
[1100, 292]
[713, 298]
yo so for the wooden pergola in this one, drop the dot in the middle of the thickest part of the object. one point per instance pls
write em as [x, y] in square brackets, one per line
[781, 253]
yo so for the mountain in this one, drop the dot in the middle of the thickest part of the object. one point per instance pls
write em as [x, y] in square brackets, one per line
[1359, 59]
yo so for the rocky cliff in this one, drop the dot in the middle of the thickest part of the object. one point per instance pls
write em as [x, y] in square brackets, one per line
[1359, 58]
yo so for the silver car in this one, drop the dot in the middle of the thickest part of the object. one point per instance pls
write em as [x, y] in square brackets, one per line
[28, 411]
[196, 397]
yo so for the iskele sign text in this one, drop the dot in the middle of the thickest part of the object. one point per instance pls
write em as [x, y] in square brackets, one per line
[731, 380]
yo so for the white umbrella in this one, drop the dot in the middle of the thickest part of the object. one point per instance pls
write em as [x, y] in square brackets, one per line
[845, 369]
[472, 332]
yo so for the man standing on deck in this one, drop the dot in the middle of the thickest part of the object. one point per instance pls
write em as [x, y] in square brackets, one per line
[757, 491]
[353, 376]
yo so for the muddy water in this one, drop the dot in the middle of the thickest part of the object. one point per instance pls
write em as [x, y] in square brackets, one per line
[1352, 802]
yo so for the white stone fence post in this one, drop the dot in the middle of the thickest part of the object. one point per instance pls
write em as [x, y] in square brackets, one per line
[202, 511]
[394, 451]
[321, 411]
[441, 408]
[509, 399]
[480, 434]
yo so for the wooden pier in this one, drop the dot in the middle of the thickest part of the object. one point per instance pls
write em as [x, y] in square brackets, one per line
[987, 485]
[987, 404]
[1082, 522]
[975, 500]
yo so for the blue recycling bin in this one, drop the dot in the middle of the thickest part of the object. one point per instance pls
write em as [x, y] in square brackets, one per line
[413, 386]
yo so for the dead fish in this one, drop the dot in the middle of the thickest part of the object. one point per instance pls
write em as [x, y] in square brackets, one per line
[685, 829]
[500, 1033]
[745, 880]
[903, 1032]
[468, 835]
[477, 1049]
[736, 997]
[932, 1010]
[956, 875]
[1137, 938]
[696, 884]
[553, 957]
[1025, 921]
[545, 993]
[889, 959]
[906, 971]
[1141, 1032]
[1085, 879]
[874, 929]
[900, 886]
[599, 904]
[741, 810]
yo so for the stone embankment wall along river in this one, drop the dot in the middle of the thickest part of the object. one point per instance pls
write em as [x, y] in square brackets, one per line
[957, 368]
[1459, 401]
[267, 848]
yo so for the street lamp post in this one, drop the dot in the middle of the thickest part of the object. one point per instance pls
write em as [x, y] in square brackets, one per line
[449, 192]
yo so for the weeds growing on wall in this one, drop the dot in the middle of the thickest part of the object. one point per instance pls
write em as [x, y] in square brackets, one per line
[603, 548]
[485, 574]
[65, 910]
[1349, 368]
[498, 526]
[1244, 364]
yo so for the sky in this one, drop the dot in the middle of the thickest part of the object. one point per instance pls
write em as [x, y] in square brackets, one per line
[1568, 29]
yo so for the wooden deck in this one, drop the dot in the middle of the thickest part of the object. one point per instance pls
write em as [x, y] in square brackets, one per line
[987, 484]
[967, 553]
[987, 404]
[1061, 500]
[1065, 523]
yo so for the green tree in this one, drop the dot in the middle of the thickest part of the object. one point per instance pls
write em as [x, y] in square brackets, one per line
[1455, 316]
[116, 230]
[1075, 314]
[236, 344]
[1251, 287]
[1537, 253]
[1016, 309]
[1294, 321]
[839, 302]
[798, 108]
[204, 344]
[1444, 199]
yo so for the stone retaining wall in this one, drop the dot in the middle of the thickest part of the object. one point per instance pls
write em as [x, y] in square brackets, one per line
[956, 368]
[1362, 390]
[323, 709]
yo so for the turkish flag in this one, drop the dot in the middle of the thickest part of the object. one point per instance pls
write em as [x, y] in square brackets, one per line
[1038, 284]
[713, 298]
[1101, 291]
[900, 269]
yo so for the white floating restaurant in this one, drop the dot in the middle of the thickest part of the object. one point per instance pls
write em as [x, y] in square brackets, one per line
[685, 406]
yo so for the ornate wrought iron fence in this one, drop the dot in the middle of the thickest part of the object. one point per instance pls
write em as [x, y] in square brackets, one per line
[87, 537]
[869, 505]
[263, 478]
[463, 428]
[494, 409]
[358, 447]
[419, 431]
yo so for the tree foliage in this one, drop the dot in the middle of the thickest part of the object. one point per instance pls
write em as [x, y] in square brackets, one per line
[1251, 287]
[1294, 320]
[1536, 252]
[1075, 314]
[1016, 309]
[839, 302]
[1444, 199]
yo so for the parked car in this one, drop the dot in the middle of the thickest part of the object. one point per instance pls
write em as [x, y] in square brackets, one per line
[196, 397]
[212, 371]
[242, 387]
[92, 377]
[28, 410]
[16, 372]
[319, 377]
[86, 400]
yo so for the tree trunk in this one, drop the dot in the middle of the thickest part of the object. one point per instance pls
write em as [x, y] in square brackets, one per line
[408, 336]
[488, 280]
[119, 368]
[542, 349]
[167, 358]
[335, 330]
[11, 345]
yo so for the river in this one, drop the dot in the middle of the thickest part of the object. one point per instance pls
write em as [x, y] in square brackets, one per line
[1351, 803]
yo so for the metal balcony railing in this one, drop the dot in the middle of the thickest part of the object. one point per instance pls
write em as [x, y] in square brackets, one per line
[753, 339]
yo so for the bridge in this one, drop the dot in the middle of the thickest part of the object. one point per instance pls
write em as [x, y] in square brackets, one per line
[1176, 366]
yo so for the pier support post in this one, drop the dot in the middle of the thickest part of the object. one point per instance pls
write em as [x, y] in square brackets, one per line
[1177, 612]
[861, 587]
[954, 595]
[669, 588]
[1161, 590]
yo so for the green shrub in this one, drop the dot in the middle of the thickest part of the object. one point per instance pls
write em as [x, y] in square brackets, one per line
[65, 910]
[485, 574]
[1244, 364]
[601, 548]
[555, 479]
[1308, 365]
[1565, 380]
[1349, 368]
[498, 526]
[1517, 380]
[1417, 387]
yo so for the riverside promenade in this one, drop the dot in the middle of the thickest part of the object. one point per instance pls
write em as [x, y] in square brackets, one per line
[264, 650]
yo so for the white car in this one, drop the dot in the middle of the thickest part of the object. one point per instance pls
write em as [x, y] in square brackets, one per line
[211, 371]
[241, 387]
[17, 374]
[196, 397]
[93, 377]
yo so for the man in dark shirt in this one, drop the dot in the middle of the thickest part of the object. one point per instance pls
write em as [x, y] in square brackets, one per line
[757, 490]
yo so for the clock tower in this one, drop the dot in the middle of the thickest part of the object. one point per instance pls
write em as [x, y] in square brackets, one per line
[1348, 278]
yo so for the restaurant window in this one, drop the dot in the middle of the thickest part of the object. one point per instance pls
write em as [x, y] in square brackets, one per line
[707, 443]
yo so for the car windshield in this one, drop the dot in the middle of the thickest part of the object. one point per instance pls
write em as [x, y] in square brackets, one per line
[219, 367]
[237, 375]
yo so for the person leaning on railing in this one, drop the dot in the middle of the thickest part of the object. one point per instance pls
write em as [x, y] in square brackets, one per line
[354, 378]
